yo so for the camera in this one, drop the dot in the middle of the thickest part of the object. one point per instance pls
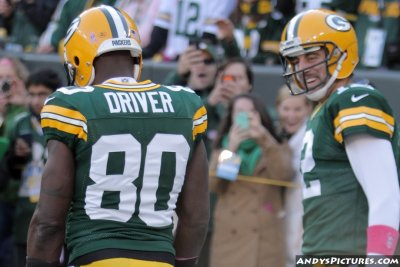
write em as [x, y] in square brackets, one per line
[5, 86]
[198, 43]
[226, 78]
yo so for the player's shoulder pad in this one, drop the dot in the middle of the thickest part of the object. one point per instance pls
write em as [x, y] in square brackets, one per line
[355, 92]
[65, 93]
[70, 90]
[178, 88]
[183, 91]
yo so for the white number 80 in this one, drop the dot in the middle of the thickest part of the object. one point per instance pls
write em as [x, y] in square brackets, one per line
[124, 182]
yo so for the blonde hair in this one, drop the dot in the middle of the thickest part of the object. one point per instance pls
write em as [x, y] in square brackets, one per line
[20, 69]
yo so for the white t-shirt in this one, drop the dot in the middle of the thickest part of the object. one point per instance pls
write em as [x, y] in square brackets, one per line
[190, 18]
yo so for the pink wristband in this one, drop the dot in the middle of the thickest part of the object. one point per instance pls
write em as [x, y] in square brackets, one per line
[382, 239]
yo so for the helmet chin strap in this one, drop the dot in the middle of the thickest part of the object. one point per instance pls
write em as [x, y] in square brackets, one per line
[318, 94]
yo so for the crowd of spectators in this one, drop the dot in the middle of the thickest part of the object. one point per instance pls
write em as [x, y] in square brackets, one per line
[214, 45]
[248, 28]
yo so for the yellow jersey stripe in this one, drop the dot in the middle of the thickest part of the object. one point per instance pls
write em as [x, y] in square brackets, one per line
[377, 113]
[200, 122]
[382, 127]
[200, 128]
[126, 262]
[47, 115]
[64, 127]
[65, 112]
[200, 113]
[129, 88]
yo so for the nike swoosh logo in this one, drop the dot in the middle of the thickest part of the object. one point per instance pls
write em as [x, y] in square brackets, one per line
[358, 98]
[48, 99]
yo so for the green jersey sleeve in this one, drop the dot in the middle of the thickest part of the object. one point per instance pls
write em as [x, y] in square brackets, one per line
[61, 121]
[360, 109]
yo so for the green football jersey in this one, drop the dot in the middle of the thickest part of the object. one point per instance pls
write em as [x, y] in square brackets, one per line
[335, 206]
[131, 142]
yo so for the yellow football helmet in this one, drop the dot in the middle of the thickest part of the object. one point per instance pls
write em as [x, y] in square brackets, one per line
[310, 31]
[97, 31]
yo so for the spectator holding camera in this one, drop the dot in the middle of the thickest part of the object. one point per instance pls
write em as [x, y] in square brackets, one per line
[196, 68]
[178, 22]
[234, 77]
[25, 159]
[13, 97]
[13, 74]
[248, 217]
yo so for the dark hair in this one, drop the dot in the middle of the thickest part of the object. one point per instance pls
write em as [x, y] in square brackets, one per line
[46, 77]
[242, 61]
[226, 123]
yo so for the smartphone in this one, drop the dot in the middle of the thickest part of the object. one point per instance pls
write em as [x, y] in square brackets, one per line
[242, 120]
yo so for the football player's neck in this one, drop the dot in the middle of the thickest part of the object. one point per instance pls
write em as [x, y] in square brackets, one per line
[336, 85]
[112, 65]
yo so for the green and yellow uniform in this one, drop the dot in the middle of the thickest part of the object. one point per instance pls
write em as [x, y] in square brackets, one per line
[131, 143]
[335, 206]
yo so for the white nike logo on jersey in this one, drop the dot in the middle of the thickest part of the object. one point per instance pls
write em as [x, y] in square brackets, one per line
[48, 99]
[358, 98]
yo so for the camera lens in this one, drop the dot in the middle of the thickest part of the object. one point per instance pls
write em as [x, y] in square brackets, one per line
[5, 86]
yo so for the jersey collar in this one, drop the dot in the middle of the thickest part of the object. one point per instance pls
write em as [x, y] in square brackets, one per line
[121, 80]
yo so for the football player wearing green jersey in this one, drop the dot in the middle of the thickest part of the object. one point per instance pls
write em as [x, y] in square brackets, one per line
[350, 151]
[123, 156]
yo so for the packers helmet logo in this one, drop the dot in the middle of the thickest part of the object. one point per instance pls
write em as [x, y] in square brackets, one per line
[338, 23]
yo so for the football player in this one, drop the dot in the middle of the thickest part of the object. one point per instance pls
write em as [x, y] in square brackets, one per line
[123, 156]
[350, 151]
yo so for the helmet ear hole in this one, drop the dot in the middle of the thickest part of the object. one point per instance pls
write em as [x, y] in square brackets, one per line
[76, 60]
